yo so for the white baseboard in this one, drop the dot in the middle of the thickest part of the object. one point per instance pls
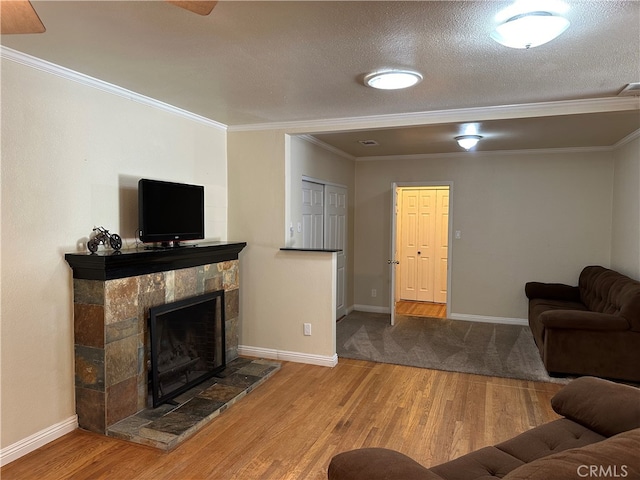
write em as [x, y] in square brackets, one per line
[271, 354]
[453, 316]
[371, 309]
[37, 440]
[485, 319]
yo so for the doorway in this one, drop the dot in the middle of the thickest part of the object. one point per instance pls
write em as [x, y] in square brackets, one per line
[420, 250]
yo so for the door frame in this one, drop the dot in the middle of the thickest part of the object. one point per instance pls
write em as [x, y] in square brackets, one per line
[394, 228]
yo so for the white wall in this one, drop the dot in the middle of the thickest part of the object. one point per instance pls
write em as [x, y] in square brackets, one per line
[71, 158]
[625, 251]
[522, 217]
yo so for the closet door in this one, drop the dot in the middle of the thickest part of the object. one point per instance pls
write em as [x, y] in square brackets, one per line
[312, 215]
[423, 239]
[441, 246]
[335, 237]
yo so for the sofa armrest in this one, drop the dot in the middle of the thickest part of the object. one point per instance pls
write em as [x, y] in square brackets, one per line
[552, 291]
[377, 464]
[583, 320]
[606, 407]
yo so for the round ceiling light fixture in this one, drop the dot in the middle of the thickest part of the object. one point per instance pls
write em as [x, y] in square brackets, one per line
[530, 29]
[392, 79]
[468, 141]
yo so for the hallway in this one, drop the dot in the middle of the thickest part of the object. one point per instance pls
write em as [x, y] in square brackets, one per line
[421, 309]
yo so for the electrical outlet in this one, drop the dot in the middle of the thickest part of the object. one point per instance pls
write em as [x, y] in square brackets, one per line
[374, 292]
[307, 329]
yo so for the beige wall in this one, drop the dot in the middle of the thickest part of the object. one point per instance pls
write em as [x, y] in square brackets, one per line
[522, 217]
[280, 290]
[310, 160]
[71, 158]
[625, 251]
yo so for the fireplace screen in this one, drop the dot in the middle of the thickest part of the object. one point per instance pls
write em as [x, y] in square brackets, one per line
[187, 344]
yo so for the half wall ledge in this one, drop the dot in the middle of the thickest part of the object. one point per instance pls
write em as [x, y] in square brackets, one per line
[294, 249]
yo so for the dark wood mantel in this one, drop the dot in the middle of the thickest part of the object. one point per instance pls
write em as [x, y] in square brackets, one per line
[108, 265]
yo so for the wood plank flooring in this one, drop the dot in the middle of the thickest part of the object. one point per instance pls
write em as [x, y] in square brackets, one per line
[421, 309]
[291, 426]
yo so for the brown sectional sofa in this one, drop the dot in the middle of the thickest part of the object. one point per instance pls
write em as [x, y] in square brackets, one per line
[599, 437]
[589, 329]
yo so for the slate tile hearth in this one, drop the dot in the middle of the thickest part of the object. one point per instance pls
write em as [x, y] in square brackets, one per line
[168, 425]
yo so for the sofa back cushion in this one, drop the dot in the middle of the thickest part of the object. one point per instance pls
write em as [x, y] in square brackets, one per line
[606, 291]
[615, 457]
[552, 437]
[603, 406]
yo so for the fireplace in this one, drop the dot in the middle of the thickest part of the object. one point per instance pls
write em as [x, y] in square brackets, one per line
[187, 341]
[113, 293]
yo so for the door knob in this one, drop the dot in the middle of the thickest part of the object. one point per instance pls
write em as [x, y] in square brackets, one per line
[418, 253]
[395, 262]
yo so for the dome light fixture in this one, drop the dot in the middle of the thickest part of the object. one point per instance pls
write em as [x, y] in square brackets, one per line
[530, 29]
[468, 141]
[392, 79]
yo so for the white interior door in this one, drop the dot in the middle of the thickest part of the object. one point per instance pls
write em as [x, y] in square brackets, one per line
[423, 252]
[312, 215]
[441, 247]
[418, 233]
[335, 223]
[393, 255]
[410, 215]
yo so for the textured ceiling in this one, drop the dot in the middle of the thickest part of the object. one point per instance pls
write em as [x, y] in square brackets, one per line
[273, 62]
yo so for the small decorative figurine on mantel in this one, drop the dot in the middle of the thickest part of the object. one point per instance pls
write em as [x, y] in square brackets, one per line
[101, 237]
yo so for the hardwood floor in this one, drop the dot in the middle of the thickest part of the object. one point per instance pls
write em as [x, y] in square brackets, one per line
[291, 426]
[421, 309]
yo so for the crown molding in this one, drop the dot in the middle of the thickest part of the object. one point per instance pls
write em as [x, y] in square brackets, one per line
[486, 153]
[566, 107]
[629, 138]
[498, 112]
[68, 74]
[425, 156]
[326, 146]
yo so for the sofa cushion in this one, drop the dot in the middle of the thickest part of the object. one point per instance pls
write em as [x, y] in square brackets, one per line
[603, 406]
[550, 438]
[615, 457]
[488, 463]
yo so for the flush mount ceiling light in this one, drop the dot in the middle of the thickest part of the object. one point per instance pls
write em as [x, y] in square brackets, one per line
[468, 141]
[530, 29]
[392, 79]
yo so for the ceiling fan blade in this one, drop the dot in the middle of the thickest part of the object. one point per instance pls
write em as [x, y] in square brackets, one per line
[18, 16]
[201, 7]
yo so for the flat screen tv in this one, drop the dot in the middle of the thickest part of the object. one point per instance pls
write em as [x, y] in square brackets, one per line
[169, 212]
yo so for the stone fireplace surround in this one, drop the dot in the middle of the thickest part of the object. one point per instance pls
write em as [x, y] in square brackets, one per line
[113, 292]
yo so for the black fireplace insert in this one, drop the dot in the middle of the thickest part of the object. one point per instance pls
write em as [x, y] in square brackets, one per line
[187, 344]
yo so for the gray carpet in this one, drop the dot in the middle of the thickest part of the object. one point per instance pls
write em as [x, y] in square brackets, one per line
[442, 344]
